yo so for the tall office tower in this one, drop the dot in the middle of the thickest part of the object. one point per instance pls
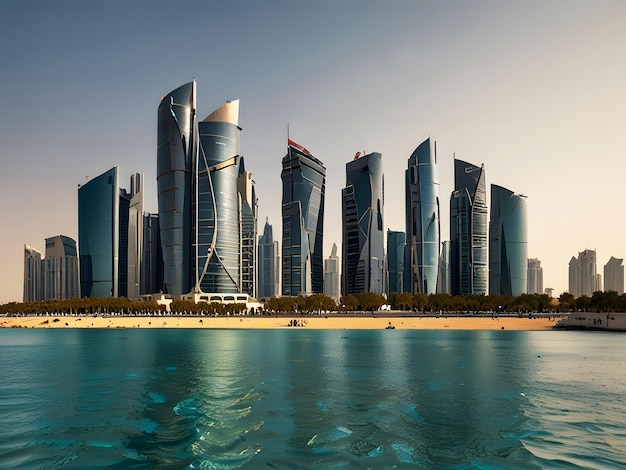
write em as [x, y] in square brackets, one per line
[304, 186]
[332, 281]
[423, 239]
[363, 260]
[469, 271]
[33, 277]
[508, 243]
[396, 242]
[614, 275]
[583, 276]
[61, 268]
[268, 266]
[177, 156]
[135, 236]
[152, 256]
[535, 277]
[249, 214]
[444, 269]
[216, 222]
[103, 236]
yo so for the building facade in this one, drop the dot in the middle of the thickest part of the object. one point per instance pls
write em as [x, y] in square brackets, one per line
[534, 277]
[583, 276]
[304, 185]
[614, 275]
[396, 243]
[332, 281]
[444, 269]
[363, 260]
[135, 237]
[422, 220]
[249, 214]
[268, 264]
[508, 243]
[33, 276]
[61, 268]
[469, 257]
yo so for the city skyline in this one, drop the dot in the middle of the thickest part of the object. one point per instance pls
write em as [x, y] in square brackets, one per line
[532, 90]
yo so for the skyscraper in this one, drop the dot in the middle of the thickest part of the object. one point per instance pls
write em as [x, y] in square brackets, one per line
[444, 269]
[33, 277]
[363, 260]
[396, 242]
[249, 211]
[135, 236]
[468, 230]
[268, 265]
[332, 282]
[103, 236]
[177, 150]
[217, 244]
[152, 257]
[61, 268]
[508, 243]
[614, 275]
[304, 185]
[583, 275]
[423, 239]
[535, 277]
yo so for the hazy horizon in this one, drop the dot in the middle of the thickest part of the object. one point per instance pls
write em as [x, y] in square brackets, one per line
[533, 90]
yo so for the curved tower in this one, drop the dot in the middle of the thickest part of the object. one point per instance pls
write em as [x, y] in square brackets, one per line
[422, 220]
[363, 260]
[468, 230]
[304, 185]
[508, 243]
[177, 149]
[217, 222]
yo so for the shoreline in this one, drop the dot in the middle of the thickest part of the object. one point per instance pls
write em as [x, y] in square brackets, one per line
[313, 322]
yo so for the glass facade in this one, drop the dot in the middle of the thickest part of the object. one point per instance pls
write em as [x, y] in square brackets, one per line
[177, 149]
[304, 185]
[249, 214]
[217, 214]
[152, 256]
[396, 243]
[33, 279]
[61, 268]
[135, 236]
[99, 231]
[469, 270]
[423, 238]
[363, 260]
[508, 243]
[267, 266]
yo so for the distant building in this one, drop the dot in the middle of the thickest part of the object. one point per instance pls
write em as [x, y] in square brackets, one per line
[396, 243]
[268, 264]
[614, 275]
[33, 276]
[469, 271]
[423, 237]
[363, 260]
[135, 237]
[249, 214]
[152, 257]
[534, 277]
[549, 291]
[103, 236]
[61, 268]
[444, 269]
[508, 243]
[583, 276]
[332, 281]
[304, 186]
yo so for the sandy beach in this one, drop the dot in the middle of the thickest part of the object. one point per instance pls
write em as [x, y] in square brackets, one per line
[336, 322]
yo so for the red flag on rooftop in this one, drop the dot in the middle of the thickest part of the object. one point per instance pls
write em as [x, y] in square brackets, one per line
[298, 146]
[358, 154]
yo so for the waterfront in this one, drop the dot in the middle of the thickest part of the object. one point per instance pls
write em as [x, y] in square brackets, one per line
[302, 398]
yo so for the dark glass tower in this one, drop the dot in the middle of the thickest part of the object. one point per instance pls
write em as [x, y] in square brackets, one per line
[396, 242]
[304, 181]
[421, 262]
[177, 150]
[363, 260]
[508, 243]
[468, 230]
[249, 211]
[267, 264]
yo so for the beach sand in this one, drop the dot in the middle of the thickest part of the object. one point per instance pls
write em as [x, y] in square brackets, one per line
[316, 322]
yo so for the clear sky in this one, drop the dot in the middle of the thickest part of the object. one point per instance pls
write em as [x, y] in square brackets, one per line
[535, 90]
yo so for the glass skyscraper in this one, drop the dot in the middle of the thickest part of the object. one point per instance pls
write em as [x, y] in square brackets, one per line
[469, 271]
[103, 236]
[33, 277]
[508, 243]
[249, 213]
[363, 260]
[396, 242]
[423, 239]
[61, 268]
[268, 267]
[304, 185]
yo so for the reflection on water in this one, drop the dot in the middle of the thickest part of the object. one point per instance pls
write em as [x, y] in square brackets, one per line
[311, 399]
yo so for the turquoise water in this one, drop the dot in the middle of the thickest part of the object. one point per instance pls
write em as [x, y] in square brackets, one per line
[290, 399]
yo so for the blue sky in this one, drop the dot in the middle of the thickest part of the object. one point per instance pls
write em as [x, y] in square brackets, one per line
[532, 89]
